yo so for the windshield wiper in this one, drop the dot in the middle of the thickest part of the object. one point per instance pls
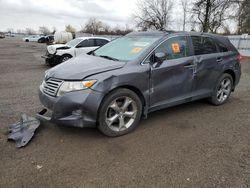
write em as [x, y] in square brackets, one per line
[108, 57]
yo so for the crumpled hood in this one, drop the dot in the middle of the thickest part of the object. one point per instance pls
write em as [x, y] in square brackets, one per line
[83, 66]
[52, 48]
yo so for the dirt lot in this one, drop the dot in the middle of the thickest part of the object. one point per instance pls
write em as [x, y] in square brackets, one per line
[191, 145]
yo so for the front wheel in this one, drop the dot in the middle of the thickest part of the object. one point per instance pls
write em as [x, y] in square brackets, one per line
[119, 113]
[222, 90]
[64, 58]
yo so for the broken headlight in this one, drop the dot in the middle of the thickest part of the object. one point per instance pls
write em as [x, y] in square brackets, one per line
[69, 86]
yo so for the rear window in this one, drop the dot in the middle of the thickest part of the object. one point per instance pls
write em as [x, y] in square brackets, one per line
[222, 47]
[101, 42]
[203, 45]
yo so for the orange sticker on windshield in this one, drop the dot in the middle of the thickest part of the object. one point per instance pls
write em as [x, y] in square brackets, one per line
[136, 50]
[176, 48]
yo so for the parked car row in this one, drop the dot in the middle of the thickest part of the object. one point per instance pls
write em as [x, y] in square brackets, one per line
[39, 38]
[59, 53]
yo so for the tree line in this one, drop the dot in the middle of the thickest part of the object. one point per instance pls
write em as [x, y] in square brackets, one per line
[215, 16]
[201, 15]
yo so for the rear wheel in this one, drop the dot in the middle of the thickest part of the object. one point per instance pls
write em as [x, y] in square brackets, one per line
[26, 40]
[223, 90]
[120, 113]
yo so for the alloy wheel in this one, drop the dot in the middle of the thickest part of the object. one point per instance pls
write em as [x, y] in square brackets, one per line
[224, 90]
[121, 113]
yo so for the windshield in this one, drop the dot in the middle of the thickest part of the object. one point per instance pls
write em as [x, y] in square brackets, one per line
[73, 43]
[126, 48]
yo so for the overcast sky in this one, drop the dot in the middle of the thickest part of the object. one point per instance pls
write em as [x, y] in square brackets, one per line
[21, 14]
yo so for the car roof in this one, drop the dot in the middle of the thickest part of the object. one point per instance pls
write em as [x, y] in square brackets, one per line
[84, 38]
[150, 33]
[165, 33]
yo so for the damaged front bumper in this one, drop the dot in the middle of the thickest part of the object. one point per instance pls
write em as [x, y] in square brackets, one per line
[77, 109]
[51, 59]
[22, 131]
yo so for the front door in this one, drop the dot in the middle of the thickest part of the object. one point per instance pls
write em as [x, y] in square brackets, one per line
[171, 81]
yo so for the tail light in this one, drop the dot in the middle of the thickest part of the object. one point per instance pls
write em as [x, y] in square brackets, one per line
[240, 58]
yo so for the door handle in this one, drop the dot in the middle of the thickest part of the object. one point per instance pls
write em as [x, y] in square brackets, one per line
[219, 59]
[189, 65]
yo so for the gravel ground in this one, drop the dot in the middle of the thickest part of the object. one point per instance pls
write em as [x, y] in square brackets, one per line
[191, 145]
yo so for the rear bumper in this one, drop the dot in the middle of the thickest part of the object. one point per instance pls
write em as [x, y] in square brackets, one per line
[77, 109]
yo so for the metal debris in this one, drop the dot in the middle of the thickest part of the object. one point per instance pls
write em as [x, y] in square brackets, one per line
[22, 131]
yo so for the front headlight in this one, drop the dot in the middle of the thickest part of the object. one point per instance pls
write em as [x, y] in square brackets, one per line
[69, 86]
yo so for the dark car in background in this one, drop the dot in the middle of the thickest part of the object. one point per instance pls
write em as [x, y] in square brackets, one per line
[2, 35]
[48, 39]
[113, 87]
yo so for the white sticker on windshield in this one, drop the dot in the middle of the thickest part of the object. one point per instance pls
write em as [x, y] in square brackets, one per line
[141, 44]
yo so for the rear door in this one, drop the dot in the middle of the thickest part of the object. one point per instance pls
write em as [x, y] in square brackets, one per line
[85, 46]
[207, 59]
[171, 81]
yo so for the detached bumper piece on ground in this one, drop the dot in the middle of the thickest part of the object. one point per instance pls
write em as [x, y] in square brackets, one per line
[23, 131]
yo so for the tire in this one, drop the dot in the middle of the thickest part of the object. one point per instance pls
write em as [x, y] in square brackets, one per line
[26, 40]
[120, 113]
[65, 58]
[222, 90]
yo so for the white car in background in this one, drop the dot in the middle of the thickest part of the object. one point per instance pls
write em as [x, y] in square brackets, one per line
[32, 38]
[59, 53]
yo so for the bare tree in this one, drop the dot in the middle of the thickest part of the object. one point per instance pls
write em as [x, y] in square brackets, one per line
[10, 30]
[185, 9]
[243, 16]
[93, 26]
[153, 14]
[54, 30]
[30, 31]
[44, 30]
[211, 14]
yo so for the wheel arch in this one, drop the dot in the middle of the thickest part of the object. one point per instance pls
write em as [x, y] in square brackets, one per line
[232, 73]
[67, 54]
[132, 88]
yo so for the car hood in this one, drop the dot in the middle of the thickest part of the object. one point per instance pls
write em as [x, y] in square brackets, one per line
[83, 66]
[52, 48]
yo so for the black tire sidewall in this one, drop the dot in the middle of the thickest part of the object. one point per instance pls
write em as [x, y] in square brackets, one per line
[103, 127]
[214, 98]
[63, 56]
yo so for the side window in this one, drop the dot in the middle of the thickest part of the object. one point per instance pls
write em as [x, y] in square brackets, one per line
[209, 46]
[83, 44]
[203, 45]
[91, 43]
[222, 47]
[174, 48]
[197, 44]
[101, 42]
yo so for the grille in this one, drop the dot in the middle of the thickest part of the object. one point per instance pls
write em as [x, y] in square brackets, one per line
[51, 86]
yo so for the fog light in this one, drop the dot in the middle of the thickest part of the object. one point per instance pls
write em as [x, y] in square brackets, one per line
[77, 112]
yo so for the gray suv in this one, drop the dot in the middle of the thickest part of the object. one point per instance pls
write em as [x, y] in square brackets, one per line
[114, 86]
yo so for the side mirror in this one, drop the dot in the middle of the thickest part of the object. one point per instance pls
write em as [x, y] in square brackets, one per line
[160, 57]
